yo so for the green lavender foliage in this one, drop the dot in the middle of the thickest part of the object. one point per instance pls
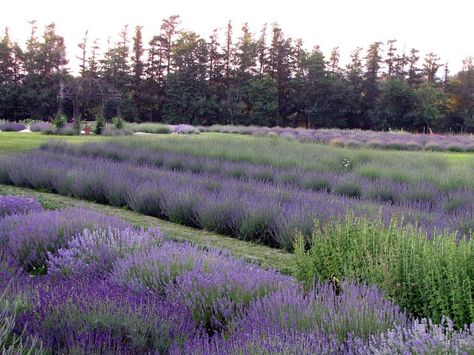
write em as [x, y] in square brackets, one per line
[431, 278]
[11, 343]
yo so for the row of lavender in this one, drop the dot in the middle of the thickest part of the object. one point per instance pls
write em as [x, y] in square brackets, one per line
[249, 210]
[119, 289]
[358, 138]
[346, 182]
[109, 130]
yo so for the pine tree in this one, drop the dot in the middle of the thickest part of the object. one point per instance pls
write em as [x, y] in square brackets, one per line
[431, 67]
[138, 51]
[83, 58]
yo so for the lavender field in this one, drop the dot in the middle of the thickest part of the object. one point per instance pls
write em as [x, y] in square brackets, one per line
[382, 241]
[265, 200]
[103, 286]
[396, 140]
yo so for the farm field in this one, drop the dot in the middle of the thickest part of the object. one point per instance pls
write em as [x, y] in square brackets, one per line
[13, 142]
[393, 140]
[293, 247]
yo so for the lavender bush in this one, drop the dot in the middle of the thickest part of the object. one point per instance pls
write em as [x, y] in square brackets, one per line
[154, 269]
[12, 127]
[155, 128]
[95, 251]
[184, 129]
[326, 308]
[30, 238]
[422, 337]
[90, 315]
[18, 205]
[43, 127]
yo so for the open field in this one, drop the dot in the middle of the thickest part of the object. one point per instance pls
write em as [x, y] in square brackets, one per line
[382, 244]
[258, 189]
[396, 140]
[13, 142]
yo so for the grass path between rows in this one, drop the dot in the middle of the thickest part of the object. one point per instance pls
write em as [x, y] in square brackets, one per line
[258, 254]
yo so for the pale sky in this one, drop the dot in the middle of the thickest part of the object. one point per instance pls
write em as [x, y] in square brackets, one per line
[446, 28]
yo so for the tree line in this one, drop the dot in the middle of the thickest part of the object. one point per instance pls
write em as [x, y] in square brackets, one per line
[239, 77]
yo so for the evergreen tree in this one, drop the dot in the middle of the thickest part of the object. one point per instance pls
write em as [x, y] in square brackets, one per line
[83, 58]
[431, 67]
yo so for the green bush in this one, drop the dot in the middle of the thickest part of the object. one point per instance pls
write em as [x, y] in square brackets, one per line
[349, 189]
[77, 126]
[118, 122]
[429, 277]
[99, 124]
[59, 120]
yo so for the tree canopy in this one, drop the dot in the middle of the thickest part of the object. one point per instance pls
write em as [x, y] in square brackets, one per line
[241, 77]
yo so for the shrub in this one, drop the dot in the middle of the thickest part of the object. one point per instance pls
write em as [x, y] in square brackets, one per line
[12, 127]
[10, 342]
[216, 294]
[429, 277]
[434, 147]
[184, 129]
[59, 120]
[341, 310]
[95, 251]
[10, 205]
[43, 127]
[93, 316]
[113, 131]
[420, 337]
[77, 125]
[455, 148]
[30, 239]
[317, 184]
[154, 269]
[155, 128]
[99, 124]
[67, 130]
[118, 122]
[349, 189]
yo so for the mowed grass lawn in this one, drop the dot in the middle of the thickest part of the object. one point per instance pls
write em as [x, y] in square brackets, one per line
[12, 142]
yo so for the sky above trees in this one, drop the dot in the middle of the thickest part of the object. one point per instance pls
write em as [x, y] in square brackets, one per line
[444, 28]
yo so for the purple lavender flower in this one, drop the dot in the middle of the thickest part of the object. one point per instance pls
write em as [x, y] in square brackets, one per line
[12, 127]
[90, 315]
[30, 238]
[95, 251]
[18, 205]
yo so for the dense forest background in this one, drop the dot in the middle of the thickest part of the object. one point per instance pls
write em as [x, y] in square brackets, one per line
[238, 77]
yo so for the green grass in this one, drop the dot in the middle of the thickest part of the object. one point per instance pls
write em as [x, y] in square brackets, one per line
[259, 254]
[13, 142]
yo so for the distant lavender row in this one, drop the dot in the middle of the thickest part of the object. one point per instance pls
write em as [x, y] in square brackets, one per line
[176, 298]
[249, 210]
[358, 138]
[158, 128]
[12, 127]
[344, 182]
